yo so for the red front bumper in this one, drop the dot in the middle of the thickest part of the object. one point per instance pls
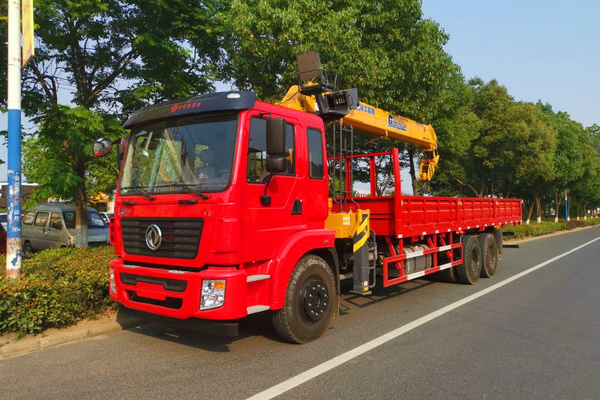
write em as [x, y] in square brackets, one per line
[176, 294]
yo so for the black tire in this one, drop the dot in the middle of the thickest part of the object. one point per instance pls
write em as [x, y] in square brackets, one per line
[448, 275]
[489, 254]
[309, 302]
[468, 272]
[499, 241]
[27, 249]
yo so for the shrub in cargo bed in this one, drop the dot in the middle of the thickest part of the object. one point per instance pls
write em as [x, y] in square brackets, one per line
[58, 288]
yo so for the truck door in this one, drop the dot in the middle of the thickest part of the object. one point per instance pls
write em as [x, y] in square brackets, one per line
[267, 226]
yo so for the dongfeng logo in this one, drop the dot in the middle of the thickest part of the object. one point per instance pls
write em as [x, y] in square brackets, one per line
[153, 237]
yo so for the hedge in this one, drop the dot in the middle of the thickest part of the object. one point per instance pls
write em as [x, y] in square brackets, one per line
[57, 288]
[546, 227]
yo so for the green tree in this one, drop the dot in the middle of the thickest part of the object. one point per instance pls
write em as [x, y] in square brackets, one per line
[386, 49]
[109, 57]
[479, 154]
[586, 191]
[117, 56]
[495, 146]
[569, 157]
[60, 157]
[535, 146]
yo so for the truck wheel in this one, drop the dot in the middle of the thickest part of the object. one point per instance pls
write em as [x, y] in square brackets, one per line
[499, 242]
[489, 254]
[309, 302]
[448, 275]
[469, 271]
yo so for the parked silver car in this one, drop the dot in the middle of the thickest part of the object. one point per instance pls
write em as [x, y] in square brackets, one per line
[51, 226]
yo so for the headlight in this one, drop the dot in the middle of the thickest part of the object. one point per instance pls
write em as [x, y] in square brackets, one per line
[113, 285]
[213, 294]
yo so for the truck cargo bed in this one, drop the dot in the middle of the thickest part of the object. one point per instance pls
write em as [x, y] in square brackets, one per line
[406, 216]
[402, 216]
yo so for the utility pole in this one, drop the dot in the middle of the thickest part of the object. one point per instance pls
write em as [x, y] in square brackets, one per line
[13, 243]
[15, 63]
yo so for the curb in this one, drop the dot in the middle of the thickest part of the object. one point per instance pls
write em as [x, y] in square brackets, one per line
[89, 329]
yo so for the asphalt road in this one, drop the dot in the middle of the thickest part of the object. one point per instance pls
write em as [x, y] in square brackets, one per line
[535, 337]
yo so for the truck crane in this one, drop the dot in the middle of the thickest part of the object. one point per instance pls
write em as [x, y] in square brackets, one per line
[224, 209]
[315, 94]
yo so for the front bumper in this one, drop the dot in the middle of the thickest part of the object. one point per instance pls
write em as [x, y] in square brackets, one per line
[229, 329]
[176, 294]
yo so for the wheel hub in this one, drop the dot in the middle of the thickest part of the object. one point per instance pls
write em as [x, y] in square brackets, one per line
[314, 299]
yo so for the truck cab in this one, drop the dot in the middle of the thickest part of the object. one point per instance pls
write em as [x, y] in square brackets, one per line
[208, 223]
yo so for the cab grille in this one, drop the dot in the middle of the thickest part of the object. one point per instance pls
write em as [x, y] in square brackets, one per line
[180, 237]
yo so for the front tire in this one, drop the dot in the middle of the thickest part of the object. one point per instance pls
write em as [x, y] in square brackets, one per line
[469, 271]
[309, 302]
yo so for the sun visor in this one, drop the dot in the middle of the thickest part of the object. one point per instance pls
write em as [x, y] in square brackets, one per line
[213, 102]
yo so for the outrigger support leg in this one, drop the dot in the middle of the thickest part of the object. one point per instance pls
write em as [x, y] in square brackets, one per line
[360, 258]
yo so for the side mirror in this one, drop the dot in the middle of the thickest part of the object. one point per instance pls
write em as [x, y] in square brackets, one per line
[276, 163]
[276, 136]
[276, 151]
[102, 147]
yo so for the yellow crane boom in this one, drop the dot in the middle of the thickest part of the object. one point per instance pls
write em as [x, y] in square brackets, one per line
[378, 122]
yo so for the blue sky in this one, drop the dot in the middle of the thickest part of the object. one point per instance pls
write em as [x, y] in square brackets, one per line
[540, 50]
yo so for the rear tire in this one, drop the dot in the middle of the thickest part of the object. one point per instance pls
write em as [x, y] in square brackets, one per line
[448, 275]
[489, 255]
[310, 301]
[469, 271]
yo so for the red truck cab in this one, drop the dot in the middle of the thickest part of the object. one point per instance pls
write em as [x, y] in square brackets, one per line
[201, 230]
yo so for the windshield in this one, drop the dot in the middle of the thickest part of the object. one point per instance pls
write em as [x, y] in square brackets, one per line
[178, 154]
[94, 219]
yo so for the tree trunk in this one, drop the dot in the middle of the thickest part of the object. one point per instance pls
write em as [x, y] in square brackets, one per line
[81, 220]
[529, 212]
[413, 174]
[538, 206]
[567, 217]
[557, 203]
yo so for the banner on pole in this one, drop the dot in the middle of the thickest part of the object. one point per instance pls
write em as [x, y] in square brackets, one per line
[27, 30]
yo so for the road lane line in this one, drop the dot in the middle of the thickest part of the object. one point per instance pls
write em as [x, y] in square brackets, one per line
[357, 351]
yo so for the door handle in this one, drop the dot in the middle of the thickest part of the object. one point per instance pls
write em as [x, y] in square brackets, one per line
[297, 207]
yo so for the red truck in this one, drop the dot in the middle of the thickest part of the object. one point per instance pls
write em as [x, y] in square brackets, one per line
[228, 206]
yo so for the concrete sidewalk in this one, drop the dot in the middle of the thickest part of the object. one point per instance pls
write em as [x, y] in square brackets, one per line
[107, 323]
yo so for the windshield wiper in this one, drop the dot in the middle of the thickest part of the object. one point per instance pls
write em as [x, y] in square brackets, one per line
[188, 188]
[141, 191]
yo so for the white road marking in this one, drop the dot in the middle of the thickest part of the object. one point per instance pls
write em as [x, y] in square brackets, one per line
[357, 351]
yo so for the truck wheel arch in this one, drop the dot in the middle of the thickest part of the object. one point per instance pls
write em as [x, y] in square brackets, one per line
[317, 242]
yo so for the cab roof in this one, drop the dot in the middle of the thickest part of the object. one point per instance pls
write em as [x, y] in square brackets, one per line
[212, 102]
